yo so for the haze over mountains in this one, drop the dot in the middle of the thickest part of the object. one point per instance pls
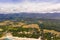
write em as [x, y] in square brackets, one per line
[29, 15]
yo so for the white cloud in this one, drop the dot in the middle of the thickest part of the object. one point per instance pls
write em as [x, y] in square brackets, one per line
[30, 7]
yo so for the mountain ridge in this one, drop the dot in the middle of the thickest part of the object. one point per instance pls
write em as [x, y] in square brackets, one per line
[30, 15]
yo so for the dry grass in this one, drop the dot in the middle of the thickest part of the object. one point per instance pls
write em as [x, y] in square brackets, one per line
[52, 31]
[24, 25]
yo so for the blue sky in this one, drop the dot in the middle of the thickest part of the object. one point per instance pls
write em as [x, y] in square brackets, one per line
[30, 6]
[11, 1]
[19, 1]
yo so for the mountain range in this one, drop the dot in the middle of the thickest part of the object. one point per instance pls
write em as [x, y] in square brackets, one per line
[11, 16]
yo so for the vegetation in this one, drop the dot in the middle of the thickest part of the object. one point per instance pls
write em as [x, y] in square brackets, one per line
[18, 28]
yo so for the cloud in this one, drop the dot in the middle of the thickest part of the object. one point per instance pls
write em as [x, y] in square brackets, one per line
[30, 7]
[38, 1]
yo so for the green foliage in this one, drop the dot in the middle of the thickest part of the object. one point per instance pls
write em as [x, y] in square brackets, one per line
[47, 24]
[15, 32]
[1, 34]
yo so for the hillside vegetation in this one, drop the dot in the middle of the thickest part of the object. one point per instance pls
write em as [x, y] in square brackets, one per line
[31, 28]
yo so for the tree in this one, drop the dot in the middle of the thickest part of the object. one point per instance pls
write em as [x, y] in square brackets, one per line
[41, 25]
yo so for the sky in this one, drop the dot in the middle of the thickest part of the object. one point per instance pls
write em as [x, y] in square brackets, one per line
[33, 6]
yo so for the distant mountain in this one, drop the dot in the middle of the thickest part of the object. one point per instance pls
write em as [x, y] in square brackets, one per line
[11, 16]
